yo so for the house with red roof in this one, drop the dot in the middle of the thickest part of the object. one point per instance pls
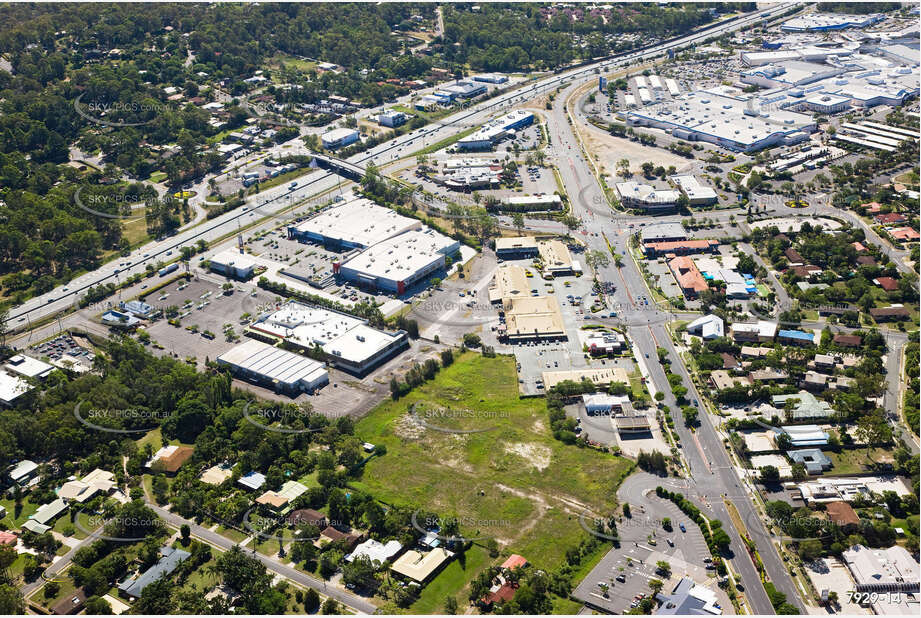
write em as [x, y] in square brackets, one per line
[890, 218]
[872, 207]
[514, 562]
[904, 234]
[887, 283]
[859, 247]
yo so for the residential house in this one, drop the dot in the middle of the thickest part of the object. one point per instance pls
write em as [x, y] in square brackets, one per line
[421, 567]
[895, 312]
[307, 516]
[888, 284]
[842, 514]
[334, 535]
[848, 341]
[170, 558]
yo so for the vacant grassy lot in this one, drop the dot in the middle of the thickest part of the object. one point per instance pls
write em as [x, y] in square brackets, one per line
[511, 480]
[855, 460]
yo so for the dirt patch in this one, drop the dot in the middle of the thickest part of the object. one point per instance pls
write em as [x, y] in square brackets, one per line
[535, 455]
[607, 150]
[408, 428]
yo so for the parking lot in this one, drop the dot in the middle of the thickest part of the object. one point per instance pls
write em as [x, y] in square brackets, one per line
[533, 179]
[204, 312]
[62, 345]
[627, 570]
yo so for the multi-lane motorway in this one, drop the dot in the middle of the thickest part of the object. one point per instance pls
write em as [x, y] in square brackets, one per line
[714, 479]
[279, 199]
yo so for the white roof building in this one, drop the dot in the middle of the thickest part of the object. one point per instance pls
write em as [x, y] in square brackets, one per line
[12, 387]
[646, 196]
[399, 262]
[707, 327]
[697, 193]
[604, 403]
[346, 339]
[28, 367]
[375, 551]
[734, 122]
[283, 370]
[882, 570]
[354, 222]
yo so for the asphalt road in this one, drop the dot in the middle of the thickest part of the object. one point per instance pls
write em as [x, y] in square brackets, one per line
[278, 199]
[224, 544]
[710, 467]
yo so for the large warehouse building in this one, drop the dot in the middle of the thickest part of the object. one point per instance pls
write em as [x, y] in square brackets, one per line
[283, 371]
[391, 252]
[396, 264]
[354, 222]
[491, 132]
[347, 342]
[729, 121]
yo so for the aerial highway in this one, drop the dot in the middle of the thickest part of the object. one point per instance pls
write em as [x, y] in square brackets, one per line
[282, 198]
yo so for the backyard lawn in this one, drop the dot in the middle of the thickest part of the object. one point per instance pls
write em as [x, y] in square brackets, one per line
[855, 461]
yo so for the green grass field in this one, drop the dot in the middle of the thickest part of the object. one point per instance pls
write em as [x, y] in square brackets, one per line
[855, 461]
[11, 519]
[514, 483]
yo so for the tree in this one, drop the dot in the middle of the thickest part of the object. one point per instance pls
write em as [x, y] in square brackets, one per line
[97, 606]
[655, 585]
[185, 534]
[597, 259]
[330, 607]
[518, 221]
[721, 539]
[873, 429]
[360, 573]
[571, 222]
[769, 474]
[451, 605]
[663, 568]
[810, 549]
[311, 600]
[648, 168]
[471, 340]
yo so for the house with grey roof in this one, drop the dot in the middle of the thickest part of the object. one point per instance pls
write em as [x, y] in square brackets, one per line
[813, 459]
[170, 558]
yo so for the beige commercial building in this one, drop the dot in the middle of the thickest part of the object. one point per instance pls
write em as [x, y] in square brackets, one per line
[510, 282]
[533, 317]
[598, 376]
[556, 257]
[516, 247]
